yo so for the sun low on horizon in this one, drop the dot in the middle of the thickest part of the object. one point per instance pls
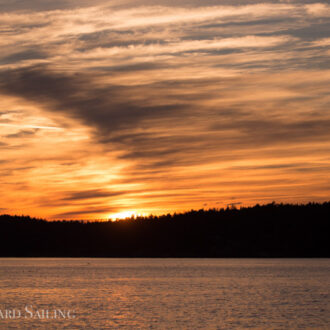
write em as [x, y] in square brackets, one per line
[112, 109]
[126, 215]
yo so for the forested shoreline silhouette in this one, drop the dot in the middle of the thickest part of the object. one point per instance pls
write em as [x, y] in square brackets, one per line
[272, 230]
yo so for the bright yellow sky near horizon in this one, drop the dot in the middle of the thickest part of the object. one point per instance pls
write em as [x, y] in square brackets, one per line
[137, 107]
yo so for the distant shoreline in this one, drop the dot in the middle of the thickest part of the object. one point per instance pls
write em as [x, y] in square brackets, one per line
[267, 231]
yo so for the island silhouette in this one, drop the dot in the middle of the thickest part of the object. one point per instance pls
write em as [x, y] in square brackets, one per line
[272, 230]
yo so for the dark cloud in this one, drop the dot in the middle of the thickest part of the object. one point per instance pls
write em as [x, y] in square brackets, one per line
[260, 131]
[22, 134]
[247, 23]
[268, 167]
[43, 5]
[13, 170]
[86, 211]
[199, 3]
[91, 194]
[30, 54]
[288, 167]
[138, 121]
[108, 38]
[311, 32]
[110, 108]
[129, 68]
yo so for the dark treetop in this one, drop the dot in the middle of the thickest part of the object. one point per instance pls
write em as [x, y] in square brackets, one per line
[273, 230]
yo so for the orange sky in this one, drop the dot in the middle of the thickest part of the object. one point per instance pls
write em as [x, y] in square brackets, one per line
[142, 107]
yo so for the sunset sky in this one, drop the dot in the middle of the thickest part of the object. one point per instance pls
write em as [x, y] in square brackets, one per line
[114, 108]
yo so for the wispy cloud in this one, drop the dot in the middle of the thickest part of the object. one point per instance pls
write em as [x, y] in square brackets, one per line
[30, 126]
[160, 106]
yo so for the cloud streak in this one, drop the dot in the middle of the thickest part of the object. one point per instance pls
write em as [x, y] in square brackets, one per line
[164, 106]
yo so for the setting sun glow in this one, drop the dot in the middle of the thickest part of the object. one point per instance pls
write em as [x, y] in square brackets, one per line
[122, 215]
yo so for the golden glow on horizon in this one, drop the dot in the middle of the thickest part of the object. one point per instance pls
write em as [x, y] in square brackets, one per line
[122, 215]
[125, 215]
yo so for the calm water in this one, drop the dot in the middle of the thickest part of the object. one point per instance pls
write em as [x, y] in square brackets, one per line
[165, 293]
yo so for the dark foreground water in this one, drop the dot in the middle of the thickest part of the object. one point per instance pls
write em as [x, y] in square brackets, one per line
[164, 293]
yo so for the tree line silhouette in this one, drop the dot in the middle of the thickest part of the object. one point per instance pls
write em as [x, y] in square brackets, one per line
[272, 230]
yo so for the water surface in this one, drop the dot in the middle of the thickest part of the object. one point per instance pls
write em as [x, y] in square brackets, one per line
[166, 293]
